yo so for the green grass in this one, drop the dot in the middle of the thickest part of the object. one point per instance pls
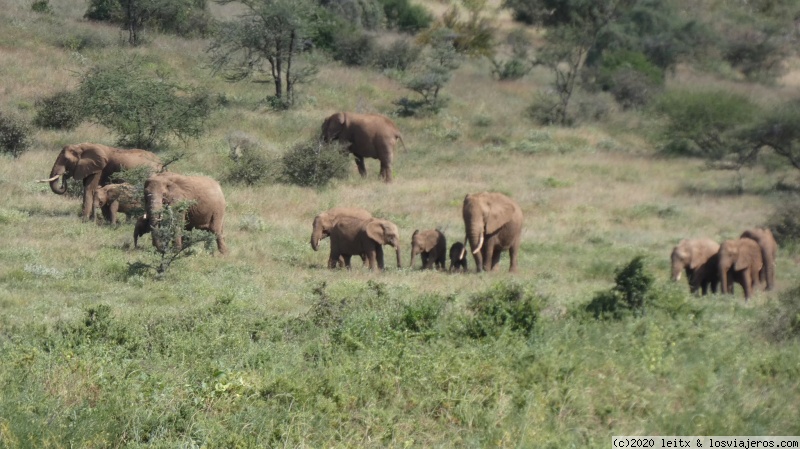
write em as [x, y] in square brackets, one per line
[250, 350]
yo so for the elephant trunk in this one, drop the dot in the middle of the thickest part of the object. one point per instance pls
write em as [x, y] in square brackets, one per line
[414, 252]
[317, 235]
[677, 270]
[397, 250]
[55, 186]
[475, 237]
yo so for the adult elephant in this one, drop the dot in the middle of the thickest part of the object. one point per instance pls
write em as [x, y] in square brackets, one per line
[739, 261]
[769, 252]
[325, 221]
[493, 224]
[366, 135]
[207, 204]
[696, 258]
[431, 245]
[94, 164]
[351, 236]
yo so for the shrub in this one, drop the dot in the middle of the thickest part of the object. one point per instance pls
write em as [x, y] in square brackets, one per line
[629, 295]
[512, 69]
[182, 17]
[366, 14]
[61, 110]
[41, 6]
[545, 109]
[253, 168]
[354, 48]
[404, 16]
[782, 318]
[144, 110]
[399, 55]
[785, 223]
[14, 135]
[504, 306]
[315, 164]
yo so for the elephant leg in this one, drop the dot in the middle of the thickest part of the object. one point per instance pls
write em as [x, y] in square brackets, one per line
[221, 246]
[747, 284]
[90, 184]
[379, 257]
[362, 169]
[386, 169]
[427, 261]
[112, 212]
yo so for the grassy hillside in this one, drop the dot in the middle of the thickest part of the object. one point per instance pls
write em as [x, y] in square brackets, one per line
[265, 347]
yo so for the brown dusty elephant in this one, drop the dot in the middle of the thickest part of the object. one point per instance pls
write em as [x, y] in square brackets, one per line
[351, 236]
[325, 221]
[141, 228]
[458, 257]
[94, 164]
[115, 198]
[739, 261]
[431, 245]
[769, 252]
[493, 224]
[366, 135]
[696, 258]
[207, 211]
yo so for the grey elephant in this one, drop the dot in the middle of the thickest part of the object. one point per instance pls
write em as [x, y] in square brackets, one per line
[697, 257]
[769, 252]
[94, 164]
[431, 245]
[207, 209]
[493, 223]
[739, 261]
[458, 257]
[115, 198]
[352, 236]
[366, 135]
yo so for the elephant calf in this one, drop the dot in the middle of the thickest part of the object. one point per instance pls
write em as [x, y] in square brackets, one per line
[115, 198]
[458, 257]
[431, 245]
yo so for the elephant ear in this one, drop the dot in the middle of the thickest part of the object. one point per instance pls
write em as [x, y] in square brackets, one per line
[748, 252]
[376, 230]
[334, 125]
[91, 159]
[696, 257]
[497, 215]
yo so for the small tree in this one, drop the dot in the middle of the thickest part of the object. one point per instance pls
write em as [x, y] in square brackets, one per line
[14, 135]
[171, 230]
[435, 71]
[143, 109]
[267, 39]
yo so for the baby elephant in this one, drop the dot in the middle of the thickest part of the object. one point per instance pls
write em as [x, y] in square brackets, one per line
[431, 245]
[115, 198]
[141, 228]
[458, 257]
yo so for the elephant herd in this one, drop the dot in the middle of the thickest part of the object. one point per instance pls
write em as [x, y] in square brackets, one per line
[748, 261]
[96, 165]
[492, 221]
[493, 224]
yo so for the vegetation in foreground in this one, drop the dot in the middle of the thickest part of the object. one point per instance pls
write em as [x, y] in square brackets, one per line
[266, 348]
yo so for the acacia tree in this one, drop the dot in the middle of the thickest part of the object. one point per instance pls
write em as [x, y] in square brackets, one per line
[267, 39]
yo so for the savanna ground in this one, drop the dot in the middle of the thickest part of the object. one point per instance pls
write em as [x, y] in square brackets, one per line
[267, 348]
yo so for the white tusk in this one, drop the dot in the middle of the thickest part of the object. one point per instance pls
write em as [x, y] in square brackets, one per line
[679, 276]
[463, 253]
[480, 244]
[49, 180]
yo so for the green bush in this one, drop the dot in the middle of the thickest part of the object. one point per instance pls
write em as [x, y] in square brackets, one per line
[505, 306]
[62, 110]
[512, 69]
[361, 14]
[253, 168]
[354, 48]
[14, 135]
[41, 6]
[782, 318]
[399, 55]
[404, 16]
[785, 223]
[545, 108]
[630, 294]
[315, 164]
[182, 17]
[143, 109]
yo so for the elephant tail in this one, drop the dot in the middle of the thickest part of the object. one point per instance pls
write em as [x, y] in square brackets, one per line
[400, 138]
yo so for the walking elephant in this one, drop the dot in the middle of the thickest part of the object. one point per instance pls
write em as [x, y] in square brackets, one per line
[458, 257]
[431, 245]
[325, 221]
[739, 261]
[206, 212]
[351, 236]
[94, 164]
[769, 252]
[493, 224]
[366, 135]
[115, 198]
[697, 258]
